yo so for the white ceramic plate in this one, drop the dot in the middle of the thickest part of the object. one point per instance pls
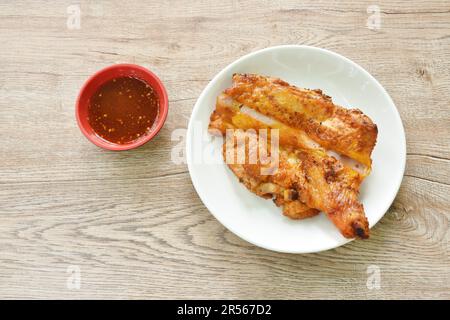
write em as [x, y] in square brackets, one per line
[258, 220]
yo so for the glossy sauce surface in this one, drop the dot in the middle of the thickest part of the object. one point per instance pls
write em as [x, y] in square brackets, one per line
[123, 110]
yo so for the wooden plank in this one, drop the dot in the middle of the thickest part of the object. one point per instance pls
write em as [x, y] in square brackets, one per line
[132, 221]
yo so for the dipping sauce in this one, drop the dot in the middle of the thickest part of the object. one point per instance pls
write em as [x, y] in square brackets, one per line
[123, 110]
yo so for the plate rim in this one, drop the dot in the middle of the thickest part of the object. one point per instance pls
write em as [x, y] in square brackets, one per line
[196, 108]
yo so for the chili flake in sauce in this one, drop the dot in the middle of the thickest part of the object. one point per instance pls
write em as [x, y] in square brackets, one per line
[123, 110]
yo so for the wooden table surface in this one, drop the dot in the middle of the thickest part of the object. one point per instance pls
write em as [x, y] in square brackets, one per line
[81, 222]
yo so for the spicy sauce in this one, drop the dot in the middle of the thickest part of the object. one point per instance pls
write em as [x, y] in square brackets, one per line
[123, 110]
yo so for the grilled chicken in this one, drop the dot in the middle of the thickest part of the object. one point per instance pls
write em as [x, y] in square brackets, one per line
[250, 174]
[347, 131]
[309, 176]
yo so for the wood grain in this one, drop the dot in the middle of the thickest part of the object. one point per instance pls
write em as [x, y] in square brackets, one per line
[132, 221]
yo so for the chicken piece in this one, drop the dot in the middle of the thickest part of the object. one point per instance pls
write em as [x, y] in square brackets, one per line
[250, 175]
[320, 183]
[346, 131]
[296, 209]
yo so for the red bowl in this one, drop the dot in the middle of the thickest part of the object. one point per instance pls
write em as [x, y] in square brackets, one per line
[105, 75]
